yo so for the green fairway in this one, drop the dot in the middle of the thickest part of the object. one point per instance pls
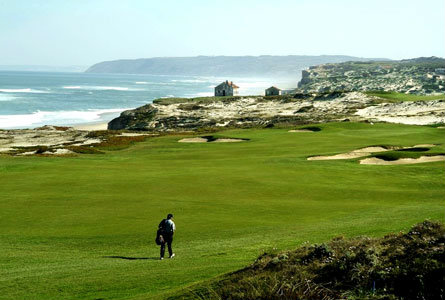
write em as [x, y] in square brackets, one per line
[64, 221]
[395, 97]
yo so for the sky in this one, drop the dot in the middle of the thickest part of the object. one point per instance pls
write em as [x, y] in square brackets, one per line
[84, 32]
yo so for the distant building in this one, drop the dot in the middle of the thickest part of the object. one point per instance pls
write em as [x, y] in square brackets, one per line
[440, 71]
[227, 88]
[273, 91]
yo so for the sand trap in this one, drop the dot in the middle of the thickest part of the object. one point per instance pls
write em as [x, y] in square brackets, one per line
[422, 146]
[227, 141]
[136, 134]
[441, 127]
[349, 155]
[402, 161]
[204, 140]
[301, 130]
[193, 140]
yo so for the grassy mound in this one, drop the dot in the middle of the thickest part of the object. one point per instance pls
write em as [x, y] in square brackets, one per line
[398, 266]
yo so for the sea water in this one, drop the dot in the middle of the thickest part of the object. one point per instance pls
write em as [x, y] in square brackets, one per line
[32, 99]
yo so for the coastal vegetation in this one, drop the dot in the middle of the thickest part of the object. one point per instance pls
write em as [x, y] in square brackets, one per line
[397, 266]
[83, 227]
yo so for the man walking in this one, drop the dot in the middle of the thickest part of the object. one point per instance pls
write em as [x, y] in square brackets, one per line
[167, 229]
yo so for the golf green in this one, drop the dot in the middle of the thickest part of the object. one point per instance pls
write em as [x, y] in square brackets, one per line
[84, 227]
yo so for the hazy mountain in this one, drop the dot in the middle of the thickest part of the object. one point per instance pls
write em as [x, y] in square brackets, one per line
[265, 65]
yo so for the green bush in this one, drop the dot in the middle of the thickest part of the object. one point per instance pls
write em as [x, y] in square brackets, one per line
[404, 266]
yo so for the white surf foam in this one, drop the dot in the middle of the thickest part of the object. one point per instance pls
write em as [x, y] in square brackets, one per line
[40, 118]
[28, 90]
[6, 97]
[100, 88]
[189, 80]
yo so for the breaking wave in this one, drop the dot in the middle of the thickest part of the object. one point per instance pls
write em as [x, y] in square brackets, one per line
[100, 88]
[28, 90]
[6, 97]
[40, 118]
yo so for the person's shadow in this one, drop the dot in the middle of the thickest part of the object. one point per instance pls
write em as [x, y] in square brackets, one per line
[130, 258]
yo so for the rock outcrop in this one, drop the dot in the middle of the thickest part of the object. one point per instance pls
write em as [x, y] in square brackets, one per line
[259, 111]
[134, 119]
[414, 76]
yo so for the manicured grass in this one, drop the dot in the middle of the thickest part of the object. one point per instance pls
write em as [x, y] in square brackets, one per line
[394, 97]
[62, 219]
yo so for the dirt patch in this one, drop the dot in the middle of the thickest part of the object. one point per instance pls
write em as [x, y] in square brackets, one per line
[402, 161]
[353, 154]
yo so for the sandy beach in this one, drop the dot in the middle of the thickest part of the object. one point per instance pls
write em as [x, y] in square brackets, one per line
[91, 126]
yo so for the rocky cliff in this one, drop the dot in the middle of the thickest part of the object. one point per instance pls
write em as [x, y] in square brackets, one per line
[413, 76]
[180, 114]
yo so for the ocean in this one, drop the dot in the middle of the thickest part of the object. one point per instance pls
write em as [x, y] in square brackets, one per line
[33, 99]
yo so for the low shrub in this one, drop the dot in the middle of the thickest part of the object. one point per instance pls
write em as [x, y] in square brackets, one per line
[119, 142]
[403, 266]
[84, 150]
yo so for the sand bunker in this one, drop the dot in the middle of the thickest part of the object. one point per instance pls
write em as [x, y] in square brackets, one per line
[136, 134]
[402, 161]
[193, 140]
[210, 140]
[228, 140]
[301, 130]
[423, 145]
[353, 154]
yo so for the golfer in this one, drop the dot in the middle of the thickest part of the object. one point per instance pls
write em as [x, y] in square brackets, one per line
[167, 229]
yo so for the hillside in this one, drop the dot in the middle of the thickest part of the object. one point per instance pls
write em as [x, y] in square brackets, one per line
[411, 76]
[264, 65]
[398, 266]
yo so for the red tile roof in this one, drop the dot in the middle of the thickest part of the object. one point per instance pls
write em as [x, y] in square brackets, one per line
[229, 83]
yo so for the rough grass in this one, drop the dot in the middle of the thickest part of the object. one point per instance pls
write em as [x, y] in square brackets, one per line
[83, 227]
[84, 150]
[398, 266]
[192, 103]
[196, 100]
[394, 97]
